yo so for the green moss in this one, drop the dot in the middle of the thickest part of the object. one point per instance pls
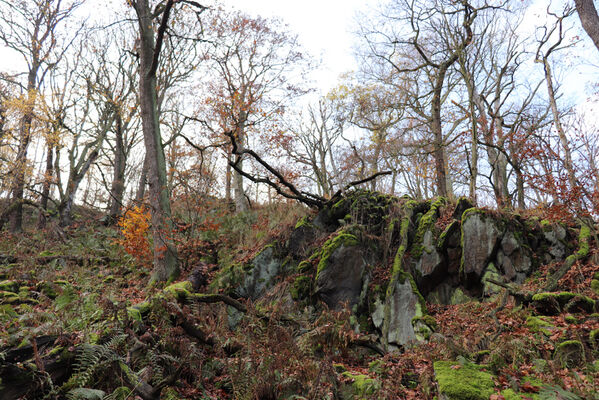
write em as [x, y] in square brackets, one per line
[300, 288]
[303, 221]
[7, 312]
[561, 297]
[362, 385]
[583, 241]
[341, 239]
[539, 324]
[571, 319]
[180, 290]
[427, 320]
[463, 382]
[339, 368]
[425, 224]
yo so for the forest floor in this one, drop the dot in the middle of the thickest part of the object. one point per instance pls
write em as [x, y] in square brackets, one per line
[71, 326]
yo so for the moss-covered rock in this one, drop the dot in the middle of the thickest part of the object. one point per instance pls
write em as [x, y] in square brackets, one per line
[569, 354]
[539, 324]
[550, 303]
[330, 246]
[7, 297]
[580, 303]
[362, 386]
[463, 382]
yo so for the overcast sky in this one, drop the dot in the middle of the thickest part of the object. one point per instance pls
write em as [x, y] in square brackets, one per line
[324, 28]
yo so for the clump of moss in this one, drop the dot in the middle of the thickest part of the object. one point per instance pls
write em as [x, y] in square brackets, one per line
[580, 303]
[463, 382]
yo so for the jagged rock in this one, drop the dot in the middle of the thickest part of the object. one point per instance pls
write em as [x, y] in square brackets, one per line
[555, 234]
[512, 259]
[341, 275]
[429, 267]
[263, 272]
[480, 235]
[404, 305]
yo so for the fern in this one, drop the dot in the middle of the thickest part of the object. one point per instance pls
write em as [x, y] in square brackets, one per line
[92, 357]
[550, 392]
[120, 393]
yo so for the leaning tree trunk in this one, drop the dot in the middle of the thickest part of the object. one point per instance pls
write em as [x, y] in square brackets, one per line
[165, 253]
[589, 19]
[436, 128]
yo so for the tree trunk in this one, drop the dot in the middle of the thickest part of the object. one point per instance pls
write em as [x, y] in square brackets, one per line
[228, 178]
[143, 180]
[589, 19]
[165, 253]
[41, 218]
[437, 130]
[65, 208]
[560, 130]
[241, 202]
[118, 179]
[18, 187]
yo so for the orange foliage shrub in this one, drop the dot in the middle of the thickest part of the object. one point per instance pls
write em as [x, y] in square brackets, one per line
[134, 228]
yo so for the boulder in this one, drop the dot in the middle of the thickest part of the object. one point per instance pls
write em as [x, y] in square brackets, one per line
[261, 274]
[480, 240]
[404, 305]
[341, 275]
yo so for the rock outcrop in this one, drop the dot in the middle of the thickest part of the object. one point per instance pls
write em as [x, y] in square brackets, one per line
[382, 256]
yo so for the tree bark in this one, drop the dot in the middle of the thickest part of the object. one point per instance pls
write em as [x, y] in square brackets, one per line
[165, 253]
[118, 179]
[41, 218]
[589, 19]
[18, 187]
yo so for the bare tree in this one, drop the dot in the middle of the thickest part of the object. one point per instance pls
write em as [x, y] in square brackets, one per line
[31, 28]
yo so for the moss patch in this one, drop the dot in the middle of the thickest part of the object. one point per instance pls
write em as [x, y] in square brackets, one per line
[569, 354]
[538, 324]
[180, 290]
[362, 385]
[463, 382]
